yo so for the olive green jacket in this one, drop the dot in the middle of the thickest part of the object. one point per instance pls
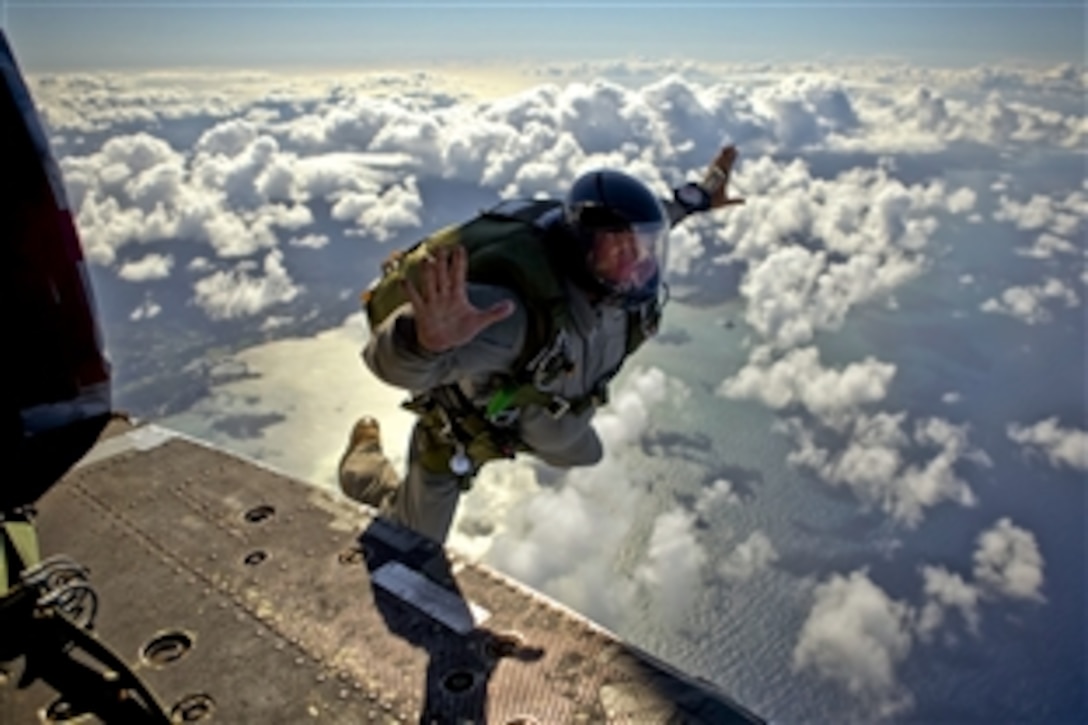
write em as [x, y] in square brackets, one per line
[597, 341]
[596, 345]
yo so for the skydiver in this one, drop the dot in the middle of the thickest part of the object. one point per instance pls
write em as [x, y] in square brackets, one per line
[461, 347]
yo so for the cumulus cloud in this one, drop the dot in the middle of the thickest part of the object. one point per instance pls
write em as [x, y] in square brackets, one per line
[1028, 303]
[1057, 221]
[671, 569]
[1047, 245]
[543, 541]
[856, 635]
[393, 211]
[798, 378]
[628, 413]
[750, 557]
[945, 590]
[873, 462]
[868, 453]
[145, 311]
[150, 267]
[1008, 562]
[720, 493]
[309, 241]
[227, 295]
[136, 188]
[815, 248]
[1036, 213]
[1060, 446]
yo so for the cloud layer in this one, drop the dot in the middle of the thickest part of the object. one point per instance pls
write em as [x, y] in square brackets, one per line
[264, 204]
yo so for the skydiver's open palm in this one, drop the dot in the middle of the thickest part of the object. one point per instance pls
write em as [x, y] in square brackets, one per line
[445, 318]
[717, 176]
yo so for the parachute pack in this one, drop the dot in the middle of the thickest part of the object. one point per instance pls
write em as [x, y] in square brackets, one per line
[505, 246]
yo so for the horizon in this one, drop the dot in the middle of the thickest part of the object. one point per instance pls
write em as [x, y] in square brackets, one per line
[64, 36]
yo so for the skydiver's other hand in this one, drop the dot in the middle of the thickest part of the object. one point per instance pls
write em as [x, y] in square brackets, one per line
[445, 318]
[717, 176]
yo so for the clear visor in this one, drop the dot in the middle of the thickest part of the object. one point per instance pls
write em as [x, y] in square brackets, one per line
[627, 260]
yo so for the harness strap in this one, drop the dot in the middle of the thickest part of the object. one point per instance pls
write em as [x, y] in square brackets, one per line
[19, 545]
[520, 396]
[454, 430]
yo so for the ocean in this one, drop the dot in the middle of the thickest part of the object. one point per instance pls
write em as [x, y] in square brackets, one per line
[1027, 662]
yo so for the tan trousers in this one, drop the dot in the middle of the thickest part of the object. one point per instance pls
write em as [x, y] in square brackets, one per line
[423, 501]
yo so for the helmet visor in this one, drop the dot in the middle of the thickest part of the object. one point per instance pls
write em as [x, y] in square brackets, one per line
[626, 261]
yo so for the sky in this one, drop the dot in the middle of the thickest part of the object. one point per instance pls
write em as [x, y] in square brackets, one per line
[69, 35]
[853, 462]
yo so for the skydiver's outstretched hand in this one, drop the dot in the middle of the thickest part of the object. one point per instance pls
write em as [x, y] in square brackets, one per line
[445, 318]
[717, 176]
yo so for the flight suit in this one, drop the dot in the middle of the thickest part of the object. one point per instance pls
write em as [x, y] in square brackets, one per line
[595, 342]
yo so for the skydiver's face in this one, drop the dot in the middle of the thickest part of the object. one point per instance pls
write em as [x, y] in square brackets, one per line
[618, 258]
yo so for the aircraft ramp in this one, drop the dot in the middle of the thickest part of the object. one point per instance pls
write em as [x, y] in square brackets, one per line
[241, 595]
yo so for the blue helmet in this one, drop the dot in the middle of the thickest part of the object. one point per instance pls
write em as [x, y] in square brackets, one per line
[622, 231]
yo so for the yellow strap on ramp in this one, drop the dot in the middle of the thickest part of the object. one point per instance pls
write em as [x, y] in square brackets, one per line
[23, 540]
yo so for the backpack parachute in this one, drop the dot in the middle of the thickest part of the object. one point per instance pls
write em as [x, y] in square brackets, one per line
[506, 247]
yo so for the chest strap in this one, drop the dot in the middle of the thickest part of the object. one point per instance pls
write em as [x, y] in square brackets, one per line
[460, 437]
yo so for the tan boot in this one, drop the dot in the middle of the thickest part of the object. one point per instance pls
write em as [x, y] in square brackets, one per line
[366, 435]
[365, 474]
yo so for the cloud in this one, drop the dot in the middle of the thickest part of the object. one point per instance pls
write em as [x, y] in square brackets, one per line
[393, 211]
[815, 247]
[1027, 303]
[1061, 446]
[671, 569]
[798, 378]
[269, 148]
[147, 310]
[750, 557]
[138, 189]
[628, 412]
[720, 493]
[227, 295]
[310, 241]
[946, 590]
[1008, 562]
[229, 138]
[541, 538]
[873, 463]
[856, 636]
[1046, 246]
[150, 267]
[1059, 221]
[235, 177]
[1036, 213]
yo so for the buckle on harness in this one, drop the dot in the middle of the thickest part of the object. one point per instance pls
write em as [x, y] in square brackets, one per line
[558, 407]
[551, 361]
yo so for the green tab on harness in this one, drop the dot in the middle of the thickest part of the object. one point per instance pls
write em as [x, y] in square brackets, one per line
[19, 539]
[500, 400]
